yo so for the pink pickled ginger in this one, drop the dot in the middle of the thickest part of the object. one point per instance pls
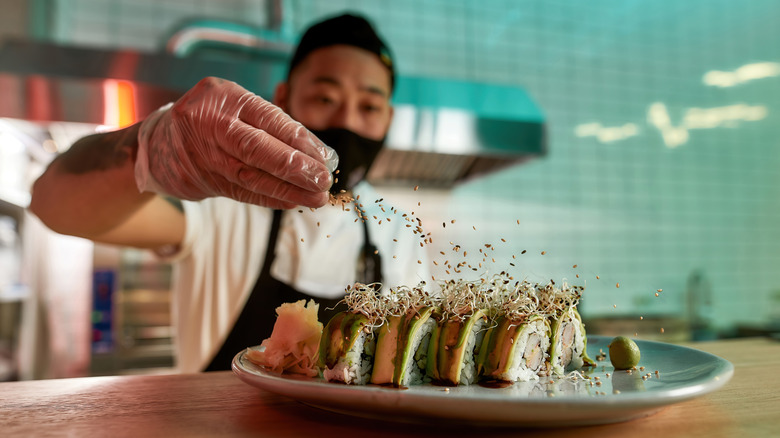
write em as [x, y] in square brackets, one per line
[294, 342]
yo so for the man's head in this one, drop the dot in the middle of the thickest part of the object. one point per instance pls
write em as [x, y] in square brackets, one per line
[341, 76]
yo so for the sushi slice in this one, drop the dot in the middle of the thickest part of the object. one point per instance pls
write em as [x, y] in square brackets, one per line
[568, 344]
[402, 348]
[515, 350]
[347, 349]
[454, 344]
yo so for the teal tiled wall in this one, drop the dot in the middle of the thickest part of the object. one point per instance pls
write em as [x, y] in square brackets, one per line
[656, 175]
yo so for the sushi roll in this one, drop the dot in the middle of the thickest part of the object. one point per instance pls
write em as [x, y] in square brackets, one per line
[568, 346]
[568, 340]
[402, 348]
[457, 337]
[402, 340]
[515, 350]
[452, 350]
[346, 350]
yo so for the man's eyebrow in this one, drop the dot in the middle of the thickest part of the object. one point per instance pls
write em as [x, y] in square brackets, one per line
[368, 88]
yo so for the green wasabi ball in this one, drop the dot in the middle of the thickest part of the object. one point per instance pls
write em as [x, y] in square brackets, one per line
[623, 353]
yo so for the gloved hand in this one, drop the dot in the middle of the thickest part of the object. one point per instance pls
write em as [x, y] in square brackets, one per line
[222, 140]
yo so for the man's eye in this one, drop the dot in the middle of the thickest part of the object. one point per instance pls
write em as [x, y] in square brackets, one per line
[371, 108]
[324, 100]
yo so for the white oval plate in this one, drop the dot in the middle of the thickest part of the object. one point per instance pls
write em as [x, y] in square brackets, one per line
[684, 373]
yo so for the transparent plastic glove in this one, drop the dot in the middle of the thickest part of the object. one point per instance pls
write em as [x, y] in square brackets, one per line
[222, 140]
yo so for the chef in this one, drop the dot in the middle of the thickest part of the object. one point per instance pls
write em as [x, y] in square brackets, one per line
[238, 193]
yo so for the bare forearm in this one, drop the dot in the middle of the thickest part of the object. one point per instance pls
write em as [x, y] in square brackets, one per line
[90, 189]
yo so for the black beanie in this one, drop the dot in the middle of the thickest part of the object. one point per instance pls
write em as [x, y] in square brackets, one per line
[345, 29]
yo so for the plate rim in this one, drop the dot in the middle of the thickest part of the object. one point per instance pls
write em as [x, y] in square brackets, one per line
[633, 405]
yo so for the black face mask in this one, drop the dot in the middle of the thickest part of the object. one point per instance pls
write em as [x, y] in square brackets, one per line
[356, 153]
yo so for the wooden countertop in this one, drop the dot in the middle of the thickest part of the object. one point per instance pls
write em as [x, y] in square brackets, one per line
[219, 404]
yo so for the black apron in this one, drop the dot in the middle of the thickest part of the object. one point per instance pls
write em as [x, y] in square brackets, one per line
[256, 321]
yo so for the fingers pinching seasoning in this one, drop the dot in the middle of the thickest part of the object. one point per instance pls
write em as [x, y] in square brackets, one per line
[222, 140]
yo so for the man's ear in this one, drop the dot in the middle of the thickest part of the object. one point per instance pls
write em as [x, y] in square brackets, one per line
[280, 96]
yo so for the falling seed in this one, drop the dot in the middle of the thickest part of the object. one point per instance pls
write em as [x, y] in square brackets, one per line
[597, 277]
[503, 240]
[419, 262]
[656, 294]
[614, 306]
[577, 275]
[518, 222]
[301, 239]
[523, 252]
[444, 224]
[318, 224]
[475, 228]
[617, 285]
[395, 256]
[452, 221]
[395, 240]
[575, 266]
[641, 318]
[544, 252]
[660, 290]
[662, 329]
[336, 172]
[416, 188]
[300, 211]
[328, 236]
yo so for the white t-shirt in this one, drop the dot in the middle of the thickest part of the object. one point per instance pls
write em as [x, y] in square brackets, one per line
[316, 253]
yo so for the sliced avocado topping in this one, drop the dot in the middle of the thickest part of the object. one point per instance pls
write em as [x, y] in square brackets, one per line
[446, 349]
[495, 354]
[413, 321]
[386, 346]
[339, 336]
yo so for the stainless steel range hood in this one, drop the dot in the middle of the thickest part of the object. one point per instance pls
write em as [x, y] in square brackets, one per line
[444, 131]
